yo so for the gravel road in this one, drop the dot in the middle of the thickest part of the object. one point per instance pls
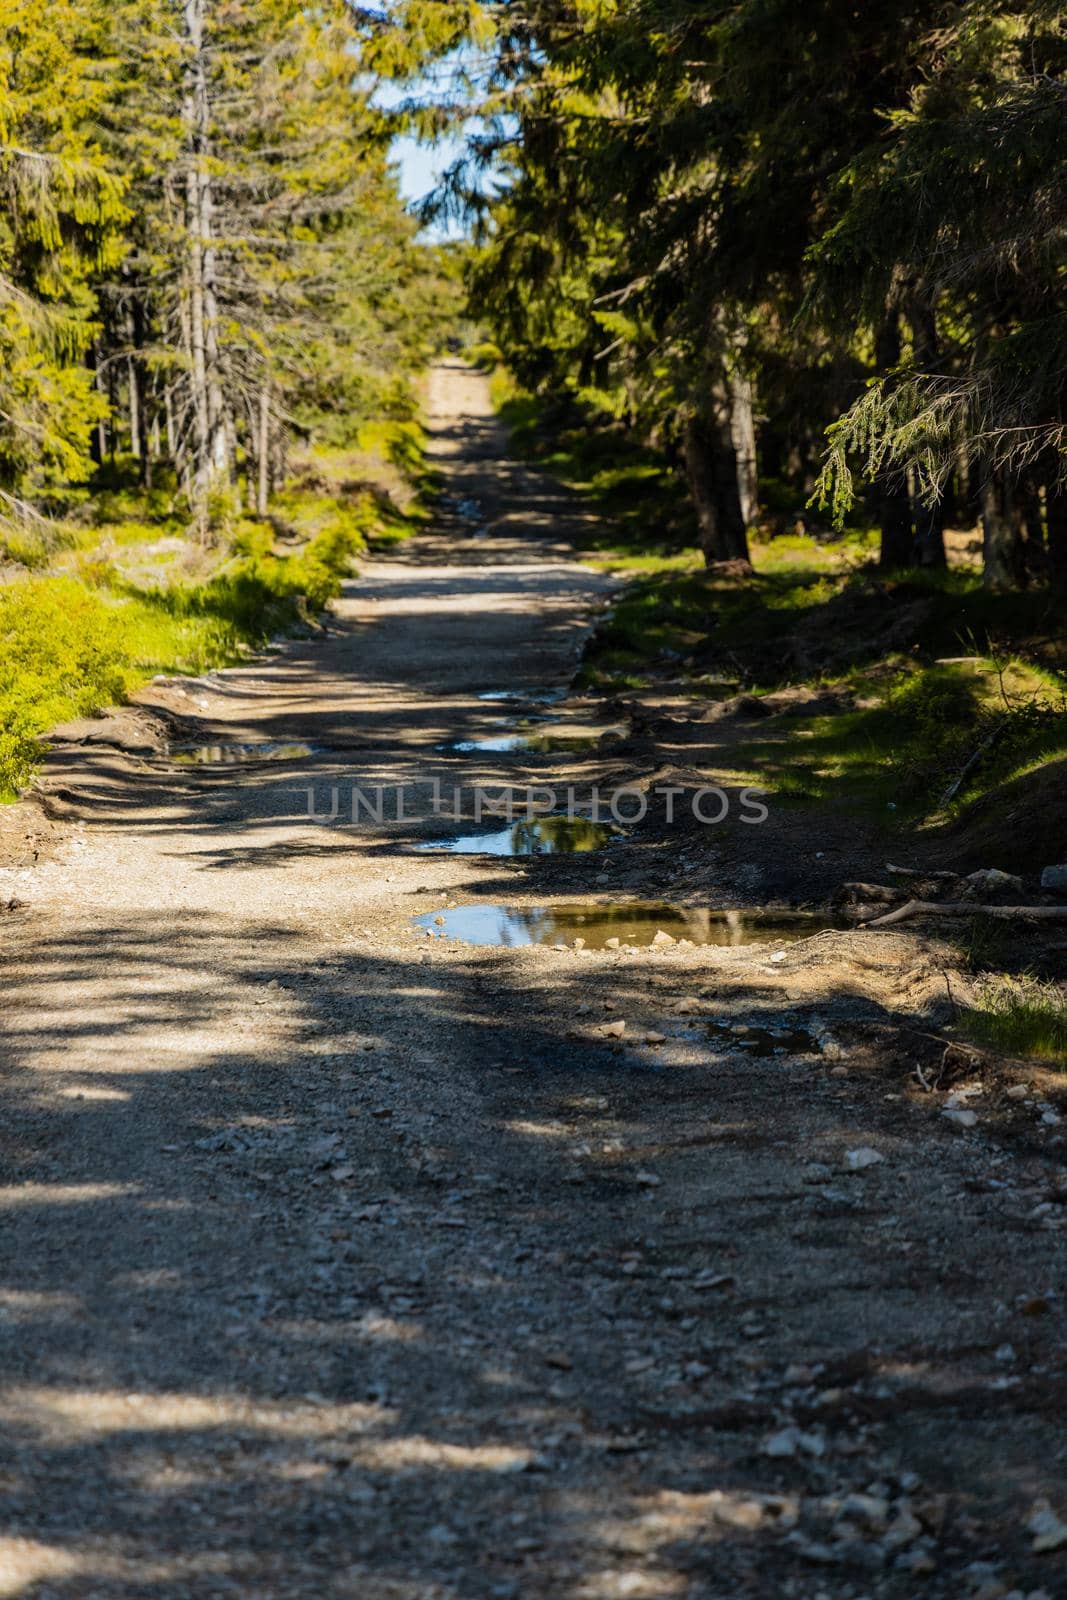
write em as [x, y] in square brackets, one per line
[342, 1262]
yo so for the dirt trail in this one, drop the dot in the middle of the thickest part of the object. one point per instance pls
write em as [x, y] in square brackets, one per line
[336, 1264]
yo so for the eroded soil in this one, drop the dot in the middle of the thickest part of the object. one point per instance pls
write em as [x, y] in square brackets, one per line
[341, 1260]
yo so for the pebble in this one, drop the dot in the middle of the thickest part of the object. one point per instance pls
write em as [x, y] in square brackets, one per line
[1050, 1533]
[789, 1442]
[859, 1160]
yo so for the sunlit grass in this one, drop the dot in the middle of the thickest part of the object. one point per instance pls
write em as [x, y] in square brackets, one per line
[1020, 1017]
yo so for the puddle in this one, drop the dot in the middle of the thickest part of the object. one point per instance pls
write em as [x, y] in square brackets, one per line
[537, 696]
[502, 743]
[633, 924]
[218, 755]
[538, 836]
[561, 738]
[760, 1041]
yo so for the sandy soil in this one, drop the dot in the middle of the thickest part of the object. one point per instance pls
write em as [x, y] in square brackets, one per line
[340, 1263]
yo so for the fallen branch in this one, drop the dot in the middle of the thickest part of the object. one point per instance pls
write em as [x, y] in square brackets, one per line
[922, 872]
[969, 765]
[968, 908]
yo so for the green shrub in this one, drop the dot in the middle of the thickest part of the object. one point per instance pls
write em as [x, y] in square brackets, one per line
[67, 649]
[62, 654]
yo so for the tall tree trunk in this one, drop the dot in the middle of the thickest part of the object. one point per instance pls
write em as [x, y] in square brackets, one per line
[98, 437]
[743, 434]
[200, 311]
[892, 499]
[711, 468]
[133, 399]
[930, 534]
[928, 520]
[140, 428]
[263, 453]
[1000, 536]
[1056, 520]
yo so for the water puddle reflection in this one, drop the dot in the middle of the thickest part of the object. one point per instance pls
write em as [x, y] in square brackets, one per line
[537, 696]
[537, 836]
[213, 755]
[609, 926]
[553, 739]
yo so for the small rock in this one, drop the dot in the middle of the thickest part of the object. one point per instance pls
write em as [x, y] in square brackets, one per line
[1018, 1091]
[1049, 1532]
[960, 1116]
[714, 1280]
[990, 880]
[611, 944]
[662, 938]
[655, 1038]
[872, 1509]
[647, 1180]
[789, 1442]
[903, 1530]
[614, 1030]
[1055, 879]
[859, 1160]
[779, 955]
[559, 1359]
[798, 1372]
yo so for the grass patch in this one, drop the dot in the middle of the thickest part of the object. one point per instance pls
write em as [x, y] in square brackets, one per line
[917, 735]
[1019, 1017]
[66, 649]
[77, 639]
[115, 589]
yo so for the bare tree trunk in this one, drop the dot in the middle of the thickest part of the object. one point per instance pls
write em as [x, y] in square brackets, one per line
[930, 534]
[743, 433]
[133, 399]
[1000, 539]
[263, 453]
[98, 437]
[200, 312]
[928, 520]
[172, 431]
[711, 468]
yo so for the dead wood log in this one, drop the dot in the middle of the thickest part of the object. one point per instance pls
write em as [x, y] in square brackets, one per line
[968, 908]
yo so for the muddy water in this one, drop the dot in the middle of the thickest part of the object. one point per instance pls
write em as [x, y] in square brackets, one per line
[600, 926]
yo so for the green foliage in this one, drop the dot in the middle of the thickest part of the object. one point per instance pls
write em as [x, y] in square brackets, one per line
[61, 654]
[69, 645]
